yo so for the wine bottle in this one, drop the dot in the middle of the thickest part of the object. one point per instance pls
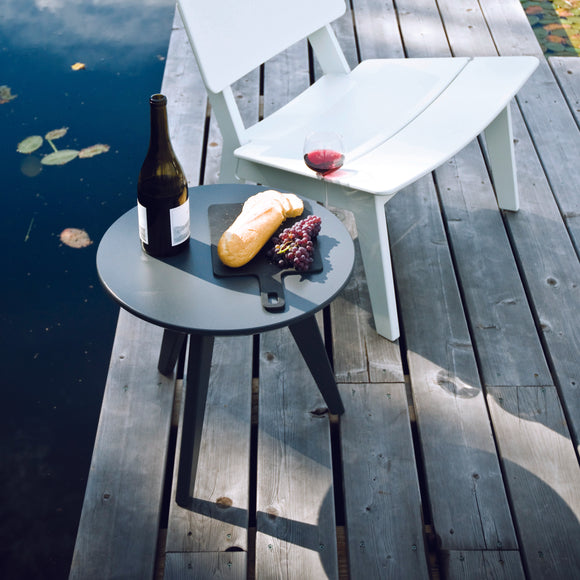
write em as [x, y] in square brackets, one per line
[162, 193]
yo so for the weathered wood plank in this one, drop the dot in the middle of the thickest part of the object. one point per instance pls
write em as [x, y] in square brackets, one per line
[552, 273]
[422, 29]
[343, 28]
[542, 471]
[483, 565]
[465, 28]
[545, 259]
[296, 526]
[540, 239]
[350, 313]
[216, 565]
[542, 243]
[567, 71]
[186, 102]
[500, 319]
[218, 518]
[548, 118]
[466, 493]
[510, 28]
[556, 138]
[377, 29]
[508, 347]
[381, 490]
[550, 122]
[119, 523]
[285, 77]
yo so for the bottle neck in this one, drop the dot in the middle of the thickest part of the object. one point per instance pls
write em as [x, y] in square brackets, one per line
[159, 140]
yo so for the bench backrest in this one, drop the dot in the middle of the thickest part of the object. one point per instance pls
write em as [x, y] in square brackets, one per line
[230, 38]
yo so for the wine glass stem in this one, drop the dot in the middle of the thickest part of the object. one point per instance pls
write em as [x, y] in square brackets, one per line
[321, 176]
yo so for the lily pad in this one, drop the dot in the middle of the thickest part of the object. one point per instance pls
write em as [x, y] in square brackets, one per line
[93, 150]
[534, 10]
[6, 94]
[29, 144]
[75, 238]
[60, 157]
[56, 134]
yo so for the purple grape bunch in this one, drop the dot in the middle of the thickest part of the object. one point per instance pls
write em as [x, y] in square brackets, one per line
[294, 246]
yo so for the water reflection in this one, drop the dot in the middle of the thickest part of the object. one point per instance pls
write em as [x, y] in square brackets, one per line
[112, 30]
[57, 324]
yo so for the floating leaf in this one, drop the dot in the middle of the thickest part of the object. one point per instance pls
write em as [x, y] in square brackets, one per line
[556, 39]
[78, 66]
[75, 238]
[534, 10]
[6, 94]
[29, 144]
[93, 150]
[540, 33]
[60, 157]
[56, 134]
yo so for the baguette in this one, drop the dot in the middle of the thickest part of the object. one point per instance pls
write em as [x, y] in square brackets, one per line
[261, 215]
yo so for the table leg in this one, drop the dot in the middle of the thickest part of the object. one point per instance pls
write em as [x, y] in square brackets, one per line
[307, 336]
[170, 349]
[196, 386]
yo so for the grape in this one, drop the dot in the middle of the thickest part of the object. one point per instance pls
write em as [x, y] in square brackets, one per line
[294, 246]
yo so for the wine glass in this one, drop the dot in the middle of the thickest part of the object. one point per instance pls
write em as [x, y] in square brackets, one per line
[324, 154]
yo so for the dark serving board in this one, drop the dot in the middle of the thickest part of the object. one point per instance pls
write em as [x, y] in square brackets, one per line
[270, 277]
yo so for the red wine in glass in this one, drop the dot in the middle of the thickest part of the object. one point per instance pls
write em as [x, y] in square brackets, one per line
[324, 161]
[323, 153]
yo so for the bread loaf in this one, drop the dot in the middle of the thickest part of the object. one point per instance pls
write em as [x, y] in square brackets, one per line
[261, 215]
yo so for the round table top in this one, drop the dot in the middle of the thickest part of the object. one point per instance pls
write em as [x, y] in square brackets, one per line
[182, 293]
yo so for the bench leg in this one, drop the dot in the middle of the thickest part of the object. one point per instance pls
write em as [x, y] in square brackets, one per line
[371, 225]
[500, 151]
[309, 341]
[170, 350]
[196, 386]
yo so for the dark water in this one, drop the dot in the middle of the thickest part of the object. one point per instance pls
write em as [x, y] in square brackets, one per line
[56, 324]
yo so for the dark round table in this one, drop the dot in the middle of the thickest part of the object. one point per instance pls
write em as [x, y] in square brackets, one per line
[193, 294]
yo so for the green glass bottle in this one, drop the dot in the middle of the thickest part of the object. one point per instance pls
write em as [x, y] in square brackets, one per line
[162, 192]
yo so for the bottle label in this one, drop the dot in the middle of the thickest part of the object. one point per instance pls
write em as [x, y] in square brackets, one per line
[142, 215]
[179, 219]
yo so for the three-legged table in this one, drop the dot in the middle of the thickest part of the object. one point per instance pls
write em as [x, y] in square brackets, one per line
[183, 295]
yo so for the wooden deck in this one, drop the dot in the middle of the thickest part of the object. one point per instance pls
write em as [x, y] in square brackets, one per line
[457, 456]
